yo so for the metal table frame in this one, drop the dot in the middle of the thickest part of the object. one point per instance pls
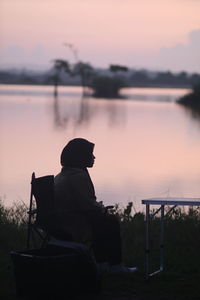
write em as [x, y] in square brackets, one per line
[161, 202]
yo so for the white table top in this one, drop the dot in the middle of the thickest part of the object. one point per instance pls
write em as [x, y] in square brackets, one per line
[172, 201]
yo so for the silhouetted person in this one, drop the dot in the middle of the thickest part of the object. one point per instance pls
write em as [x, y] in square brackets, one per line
[75, 197]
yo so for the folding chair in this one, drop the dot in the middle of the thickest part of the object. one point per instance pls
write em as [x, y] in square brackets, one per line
[53, 268]
[44, 224]
[40, 209]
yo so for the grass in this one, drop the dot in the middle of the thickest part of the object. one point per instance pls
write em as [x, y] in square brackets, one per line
[12, 237]
[182, 260]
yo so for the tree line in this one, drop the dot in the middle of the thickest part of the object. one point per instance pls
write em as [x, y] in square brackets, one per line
[104, 82]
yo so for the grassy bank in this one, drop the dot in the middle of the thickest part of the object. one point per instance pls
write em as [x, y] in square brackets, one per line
[182, 259]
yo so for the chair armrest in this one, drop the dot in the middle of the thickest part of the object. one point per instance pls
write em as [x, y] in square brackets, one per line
[32, 212]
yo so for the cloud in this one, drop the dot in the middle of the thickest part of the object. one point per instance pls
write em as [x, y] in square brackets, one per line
[182, 56]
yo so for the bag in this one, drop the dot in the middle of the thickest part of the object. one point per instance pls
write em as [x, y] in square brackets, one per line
[55, 271]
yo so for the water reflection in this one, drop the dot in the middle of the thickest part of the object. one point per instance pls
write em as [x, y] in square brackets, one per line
[76, 113]
[84, 115]
[193, 113]
[58, 120]
[80, 111]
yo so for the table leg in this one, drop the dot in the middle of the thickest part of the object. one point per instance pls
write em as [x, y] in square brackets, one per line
[147, 243]
[162, 238]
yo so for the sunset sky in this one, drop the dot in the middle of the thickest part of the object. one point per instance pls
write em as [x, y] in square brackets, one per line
[154, 34]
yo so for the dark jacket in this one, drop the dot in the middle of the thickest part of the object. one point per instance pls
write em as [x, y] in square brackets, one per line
[74, 190]
[74, 200]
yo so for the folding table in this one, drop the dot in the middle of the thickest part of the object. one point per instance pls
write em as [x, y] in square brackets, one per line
[161, 202]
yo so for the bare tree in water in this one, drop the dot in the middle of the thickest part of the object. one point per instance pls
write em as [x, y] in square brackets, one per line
[59, 65]
[86, 72]
[80, 68]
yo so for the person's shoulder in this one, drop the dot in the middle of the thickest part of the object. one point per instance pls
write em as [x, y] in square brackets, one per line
[77, 172]
[79, 176]
[74, 172]
[69, 172]
[72, 175]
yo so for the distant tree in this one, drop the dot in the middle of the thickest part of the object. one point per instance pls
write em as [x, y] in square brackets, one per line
[165, 78]
[117, 68]
[140, 77]
[86, 73]
[106, 86]
[181, 78]
[195, 78]
[59, 65]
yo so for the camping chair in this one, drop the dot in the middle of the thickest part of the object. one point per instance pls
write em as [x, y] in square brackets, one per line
[44, 224]
[40, 209]
[52, 269]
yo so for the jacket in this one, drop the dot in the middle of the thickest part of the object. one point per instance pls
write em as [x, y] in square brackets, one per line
[74, 200]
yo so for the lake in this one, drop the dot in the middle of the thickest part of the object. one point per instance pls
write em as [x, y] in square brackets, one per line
[146, 145]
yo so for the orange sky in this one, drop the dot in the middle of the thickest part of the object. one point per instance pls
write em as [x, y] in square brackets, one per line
[141, 33]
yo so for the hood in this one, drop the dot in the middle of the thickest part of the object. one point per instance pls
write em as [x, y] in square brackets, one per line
[77, 153]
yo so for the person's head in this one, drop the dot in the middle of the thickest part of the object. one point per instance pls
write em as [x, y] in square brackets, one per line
[78, 153]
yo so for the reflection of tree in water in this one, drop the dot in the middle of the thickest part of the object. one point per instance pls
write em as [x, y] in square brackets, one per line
[191, 102]
[195, 114]
[76, 112]
[192, 113]
[116, 113]
[58, 120]
[84, 115]
[63, 113]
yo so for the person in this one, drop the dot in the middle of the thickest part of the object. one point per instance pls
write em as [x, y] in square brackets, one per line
[78, 210]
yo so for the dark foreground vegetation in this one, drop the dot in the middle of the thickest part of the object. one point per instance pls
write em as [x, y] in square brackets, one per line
[182, 260]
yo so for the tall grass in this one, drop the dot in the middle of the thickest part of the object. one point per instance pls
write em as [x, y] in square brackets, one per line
[12, 237]
[182, 235]
[182, 240]
[13, 222]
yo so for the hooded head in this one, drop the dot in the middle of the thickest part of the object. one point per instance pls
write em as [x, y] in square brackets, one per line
[78, 153]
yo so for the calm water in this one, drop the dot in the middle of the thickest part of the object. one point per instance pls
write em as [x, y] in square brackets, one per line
[146, 145]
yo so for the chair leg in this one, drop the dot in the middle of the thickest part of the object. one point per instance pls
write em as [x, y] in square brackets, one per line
[45, 240]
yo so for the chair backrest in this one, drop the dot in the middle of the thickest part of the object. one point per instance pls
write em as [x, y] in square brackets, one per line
[43, 192]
